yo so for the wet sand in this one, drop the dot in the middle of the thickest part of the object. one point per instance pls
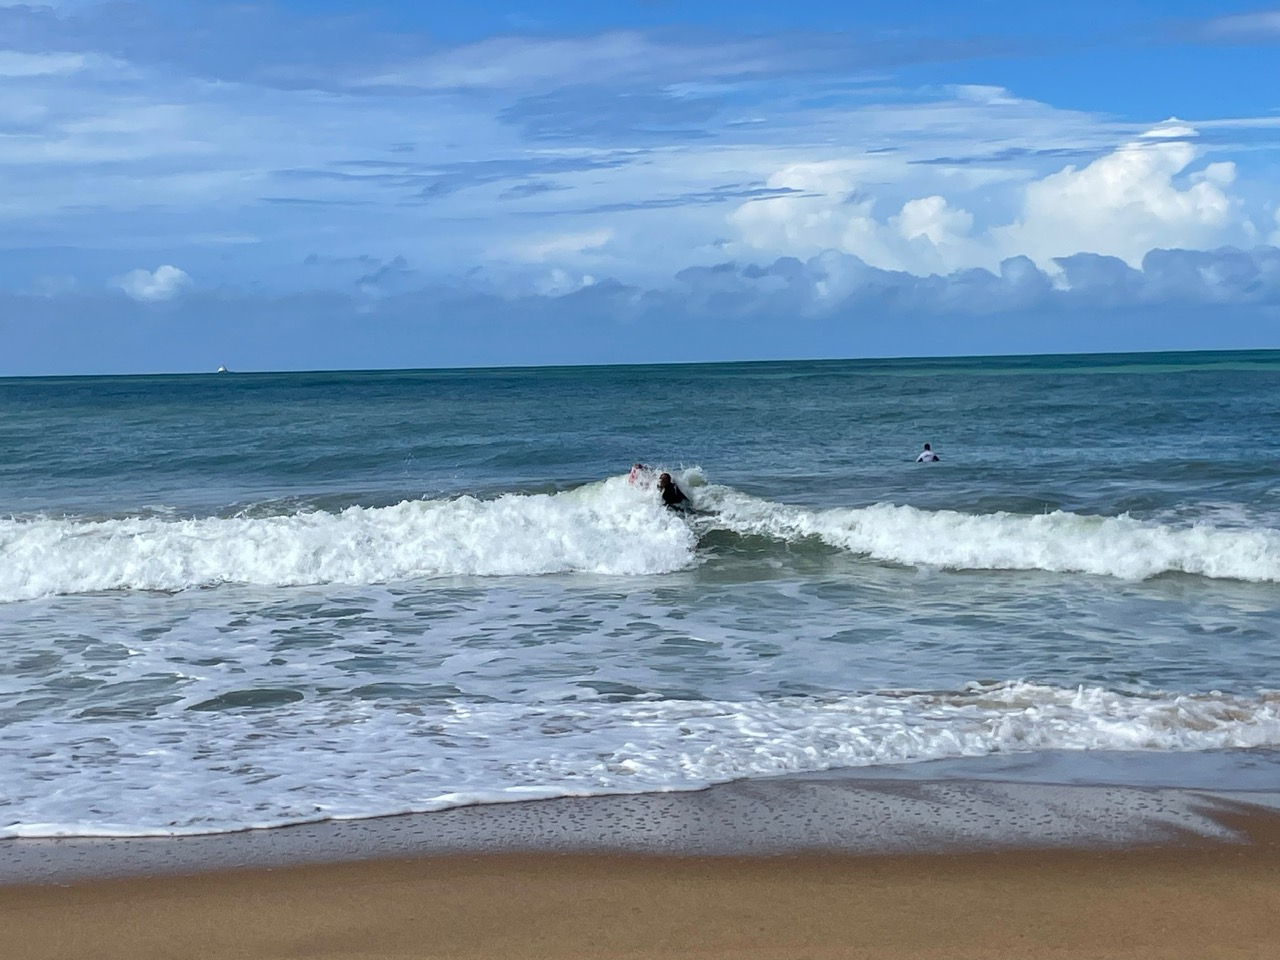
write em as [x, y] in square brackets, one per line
[1175, 891]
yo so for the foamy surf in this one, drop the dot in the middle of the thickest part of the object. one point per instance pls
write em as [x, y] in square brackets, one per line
[608, 528]
[1057, 542]
[240, 769]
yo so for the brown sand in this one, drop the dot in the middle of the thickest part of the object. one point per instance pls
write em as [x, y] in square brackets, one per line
[1198, 901]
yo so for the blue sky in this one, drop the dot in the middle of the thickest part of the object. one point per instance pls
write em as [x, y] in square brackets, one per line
[335, 185]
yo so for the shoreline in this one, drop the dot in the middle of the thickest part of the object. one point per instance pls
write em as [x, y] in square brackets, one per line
[847, 813]
[799, 867]
[1184, 898]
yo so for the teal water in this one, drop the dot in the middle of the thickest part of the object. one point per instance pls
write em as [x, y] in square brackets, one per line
[248, 599]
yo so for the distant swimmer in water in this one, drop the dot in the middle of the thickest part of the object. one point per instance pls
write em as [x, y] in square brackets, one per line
[927, 455]
[672, 495]
[640, 473]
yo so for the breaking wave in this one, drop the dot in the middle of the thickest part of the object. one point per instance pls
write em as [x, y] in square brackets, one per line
[608, 528]
[1058, 542]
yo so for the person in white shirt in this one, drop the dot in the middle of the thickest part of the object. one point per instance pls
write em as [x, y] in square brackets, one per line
[927, 455]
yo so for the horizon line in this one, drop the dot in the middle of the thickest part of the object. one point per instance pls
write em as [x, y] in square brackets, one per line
[494, 368]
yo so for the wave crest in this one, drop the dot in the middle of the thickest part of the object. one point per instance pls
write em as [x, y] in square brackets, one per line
[606, 528]
[609, 528]
[1057, 542]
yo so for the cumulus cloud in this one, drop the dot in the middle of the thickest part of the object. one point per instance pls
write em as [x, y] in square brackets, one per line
[1123, 205]
[153, 286]
[930, 217]
[1141, 196]
[815, 218]
[828, 211]
[938, 232]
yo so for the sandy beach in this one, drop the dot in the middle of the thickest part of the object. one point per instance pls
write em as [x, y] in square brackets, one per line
[1169, 903]
[1207, 889]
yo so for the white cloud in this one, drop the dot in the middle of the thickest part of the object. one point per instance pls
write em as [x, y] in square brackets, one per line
[1274, 239]
[1171, 129]
[1123, 205]
[164, 283]
[982, 93]
[1139, 197]
[1222, 174]
[927, 235]
[931, 218]
[813, 220]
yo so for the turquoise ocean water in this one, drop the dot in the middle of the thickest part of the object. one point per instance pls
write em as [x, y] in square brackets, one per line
[252, 599]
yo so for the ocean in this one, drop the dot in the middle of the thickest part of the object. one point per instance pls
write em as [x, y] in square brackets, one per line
[246, 600]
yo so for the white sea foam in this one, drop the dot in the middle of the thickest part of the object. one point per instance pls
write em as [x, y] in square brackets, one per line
[609, 528]
[213, 772]
[1057, 542]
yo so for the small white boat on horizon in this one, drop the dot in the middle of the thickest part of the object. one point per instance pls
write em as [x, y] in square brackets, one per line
[222, 369]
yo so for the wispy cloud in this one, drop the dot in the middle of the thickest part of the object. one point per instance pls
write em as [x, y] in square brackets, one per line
[518, 63]
[16, 64]
[1259, 27]
[549, 247]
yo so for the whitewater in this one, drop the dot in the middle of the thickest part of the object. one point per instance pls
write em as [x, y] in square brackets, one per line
[610, 528]
[248, 602]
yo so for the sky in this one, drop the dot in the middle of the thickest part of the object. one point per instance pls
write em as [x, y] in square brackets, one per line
[338, 185]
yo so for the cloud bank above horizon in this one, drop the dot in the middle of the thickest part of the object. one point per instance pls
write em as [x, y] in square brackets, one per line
[540, 189]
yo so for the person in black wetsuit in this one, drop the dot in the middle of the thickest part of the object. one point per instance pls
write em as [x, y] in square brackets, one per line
[672, 495]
